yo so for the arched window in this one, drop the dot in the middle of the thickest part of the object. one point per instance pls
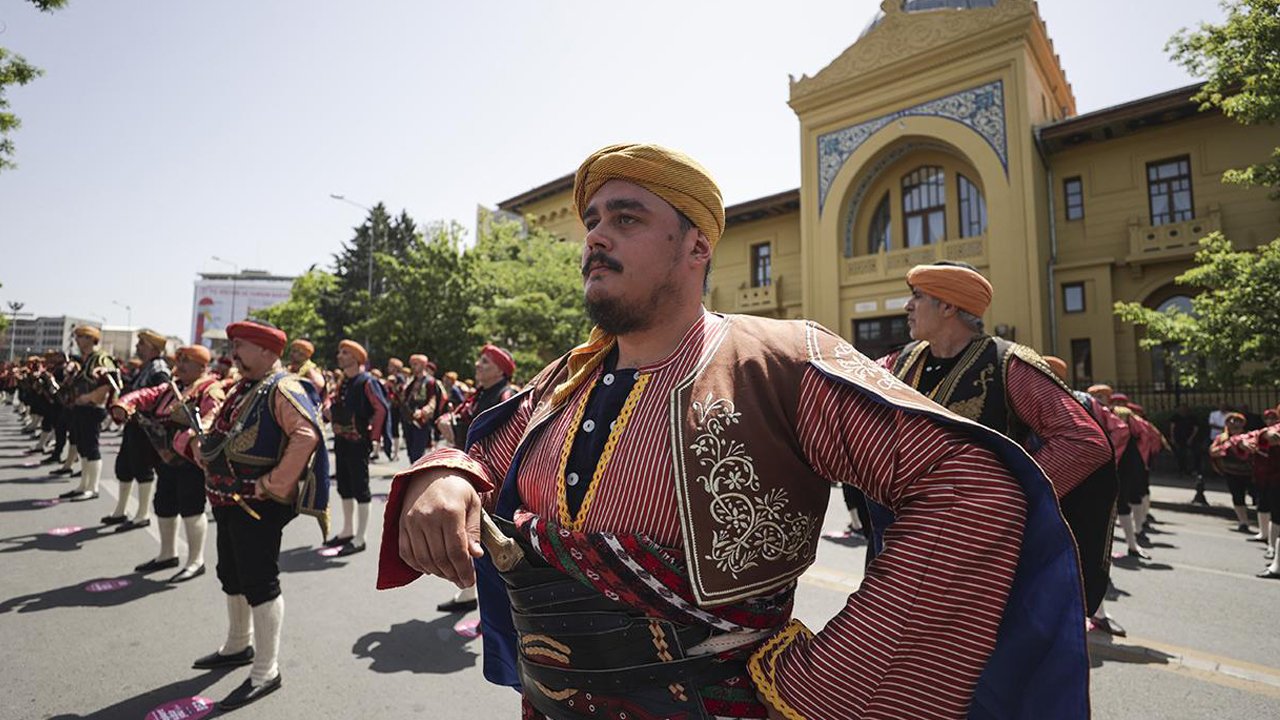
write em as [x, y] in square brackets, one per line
[924, 206]
[878, 237]
[973, 208]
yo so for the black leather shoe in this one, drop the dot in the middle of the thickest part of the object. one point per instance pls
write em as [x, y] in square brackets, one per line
[133, 525]
[457, 606]
[187, 573]
[155, 564]
[50, 460]
[69, 494]
[82, 495]
[1135, 553]
[351, 548]
[113, 519]
[1268, 575]
[61, 471]
[216, 660]
[1108, 626]
[247, 693]
[337, 540]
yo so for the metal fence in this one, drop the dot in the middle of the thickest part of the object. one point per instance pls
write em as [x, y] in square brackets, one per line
[1161, 400]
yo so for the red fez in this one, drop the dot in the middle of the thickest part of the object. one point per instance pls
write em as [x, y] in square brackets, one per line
[356, 349]
[501, 358]
[198, 353]
[1058, 366]
[268, 338]
[1120, 398]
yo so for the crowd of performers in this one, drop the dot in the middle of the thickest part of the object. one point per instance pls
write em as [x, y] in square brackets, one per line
[635, 518]
[243, 437]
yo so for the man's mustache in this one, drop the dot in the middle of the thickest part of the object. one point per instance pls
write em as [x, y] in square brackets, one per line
[598, 258]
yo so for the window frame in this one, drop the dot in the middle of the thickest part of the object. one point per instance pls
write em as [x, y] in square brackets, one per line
[1171, 213]
[756, 265]
[886, 228]
[963, 203]
[1084, 304]
[925, 212]
[1066, 198]
[1087, 345]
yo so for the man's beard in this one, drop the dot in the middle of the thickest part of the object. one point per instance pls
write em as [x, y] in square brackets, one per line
[619, 317]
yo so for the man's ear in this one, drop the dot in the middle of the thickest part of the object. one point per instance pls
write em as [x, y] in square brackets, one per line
[701, 248]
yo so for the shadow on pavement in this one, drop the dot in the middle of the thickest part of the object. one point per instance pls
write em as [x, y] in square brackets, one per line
[1130, 563]
[139, 705]
[308, 559]
[20, 505]
[417, 647]
[1103, 649]
[846, 539]
[58, 543]
[36, 480]
[77, 596]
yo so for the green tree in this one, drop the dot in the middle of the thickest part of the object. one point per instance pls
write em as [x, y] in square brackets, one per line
[1240, 60]
[1231, 334]
[15, 70]
[529, 298]
[299, 316]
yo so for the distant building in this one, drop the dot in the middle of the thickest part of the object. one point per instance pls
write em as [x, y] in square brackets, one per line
[948, 131]
[36, 335]
[223, 298]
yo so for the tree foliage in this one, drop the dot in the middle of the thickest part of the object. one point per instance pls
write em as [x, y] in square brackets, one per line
[1231, 334]
[1240, 60]
[299, 316]
[15, 70]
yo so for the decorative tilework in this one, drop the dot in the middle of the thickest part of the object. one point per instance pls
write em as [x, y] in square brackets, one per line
[981, 109]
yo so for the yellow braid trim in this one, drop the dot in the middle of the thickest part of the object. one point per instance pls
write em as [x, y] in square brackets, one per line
[763, 666]
[615, 433]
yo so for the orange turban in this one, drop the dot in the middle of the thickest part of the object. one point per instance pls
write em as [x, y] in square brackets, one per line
[669, 174]
[356, 349]
[395, 363]
[954, 285]
[305, 346]
[1096, 390]
[152, 338]
[1058, 365]
[88, 331]
[196, 353]
[418, 359]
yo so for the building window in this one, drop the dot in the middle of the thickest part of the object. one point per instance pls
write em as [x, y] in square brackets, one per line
[878, 337]
[1169, 187]
[924, 206]
[1073, 297]
[761, 265]
[878, 238]
[1073, 193]
[973, 208]
[1081, 363]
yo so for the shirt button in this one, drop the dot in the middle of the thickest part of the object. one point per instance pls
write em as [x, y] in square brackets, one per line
[637, 376]
[572, 479]
[607, 379]
[588, 426]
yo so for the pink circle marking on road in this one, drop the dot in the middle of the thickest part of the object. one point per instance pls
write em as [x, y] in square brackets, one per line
[331, 551]
[468, 628]
[192, 708]
[32, 464]
[380, 497]
[65, 531]
[100, 586]
[46, 503]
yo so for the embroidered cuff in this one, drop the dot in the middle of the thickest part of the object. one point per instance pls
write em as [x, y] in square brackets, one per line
[764, 670]
[452, 459]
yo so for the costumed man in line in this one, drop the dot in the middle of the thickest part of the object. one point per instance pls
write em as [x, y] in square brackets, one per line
[392, 387]
[137, 458]
[41, 402]
[1150, 442]
[1009, 388]
[1117, 432]
[494, 369]
[358, 410]
[300, 364]
[1237, 470]
[1262, 449]
[168, 415]
[56, 363]
[655, 494]
[264, 462]
[1129, 470]
[422, 402]
[96, 381]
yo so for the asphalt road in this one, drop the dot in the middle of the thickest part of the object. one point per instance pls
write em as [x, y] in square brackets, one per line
[1202, 630]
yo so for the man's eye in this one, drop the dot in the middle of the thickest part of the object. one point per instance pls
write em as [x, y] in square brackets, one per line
[626, 220]
[590, 223]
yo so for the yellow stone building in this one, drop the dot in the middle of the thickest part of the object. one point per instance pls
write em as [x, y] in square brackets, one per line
[948, 130]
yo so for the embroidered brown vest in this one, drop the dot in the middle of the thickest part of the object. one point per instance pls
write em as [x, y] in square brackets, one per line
[750, 506]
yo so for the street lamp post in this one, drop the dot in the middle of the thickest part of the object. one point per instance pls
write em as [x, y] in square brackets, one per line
[373, 237]
[14, 307]
[128, 313]
[234, 279]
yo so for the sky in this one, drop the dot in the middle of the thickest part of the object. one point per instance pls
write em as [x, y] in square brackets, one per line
[163, 134]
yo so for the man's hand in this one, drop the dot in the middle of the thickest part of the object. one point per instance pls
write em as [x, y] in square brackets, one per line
[440, 527]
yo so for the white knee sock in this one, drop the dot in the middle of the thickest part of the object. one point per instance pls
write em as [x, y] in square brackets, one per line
[145, 491]
[1242, 514]
[1140, 514]
[122, 502]
[168, 527]
[196, 526]
[465, 594]
[1130, 537]
[855, 522]
[92, 470]
[73, 455]
[1273, 540]
[239, 626]
[362, 522]
[1264, 526]
[348, 509]
[1102, 610]
[267, 619]
[43, 439]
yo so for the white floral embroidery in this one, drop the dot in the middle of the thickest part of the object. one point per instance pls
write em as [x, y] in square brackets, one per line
[863, 368]
[753, 527]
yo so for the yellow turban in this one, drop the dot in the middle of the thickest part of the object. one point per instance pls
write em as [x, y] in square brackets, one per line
[669, 174]
[1058, 365]
[355, 349]
[195, 353]
[152, 338]
[305, 346]
[88, 331]
[954, 285]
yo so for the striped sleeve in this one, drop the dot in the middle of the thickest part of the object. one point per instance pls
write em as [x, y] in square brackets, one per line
[1071, 445]
[914, 638]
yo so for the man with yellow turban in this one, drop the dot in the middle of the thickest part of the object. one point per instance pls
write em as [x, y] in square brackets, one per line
[668, 479]
[136, 461]
[301, 364]
[91, 386]
[360, 415]
[1009, 388]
